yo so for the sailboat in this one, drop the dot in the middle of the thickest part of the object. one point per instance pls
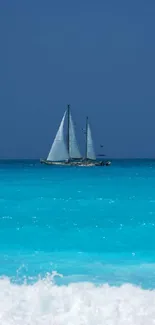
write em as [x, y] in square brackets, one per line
[67, 152]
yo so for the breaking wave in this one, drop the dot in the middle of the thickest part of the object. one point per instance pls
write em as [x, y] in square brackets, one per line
[83, 303]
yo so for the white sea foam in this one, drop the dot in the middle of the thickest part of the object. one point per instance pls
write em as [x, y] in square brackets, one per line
[75, 304]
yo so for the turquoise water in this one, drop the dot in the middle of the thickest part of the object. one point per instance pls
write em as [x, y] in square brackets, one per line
[88, 230]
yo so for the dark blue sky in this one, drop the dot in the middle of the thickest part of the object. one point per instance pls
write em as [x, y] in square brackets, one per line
[99, 56]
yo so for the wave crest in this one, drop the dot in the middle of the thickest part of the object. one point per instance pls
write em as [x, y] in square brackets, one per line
[76, 304]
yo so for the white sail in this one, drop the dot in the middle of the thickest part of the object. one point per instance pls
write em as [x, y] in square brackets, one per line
[58, 150]
[90, 146]
[73, 145]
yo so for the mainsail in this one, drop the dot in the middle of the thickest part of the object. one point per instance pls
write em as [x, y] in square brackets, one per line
[90, 152]
[58, 150]
[74, 151]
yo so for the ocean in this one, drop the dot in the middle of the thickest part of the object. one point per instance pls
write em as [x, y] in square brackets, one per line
[77, 244]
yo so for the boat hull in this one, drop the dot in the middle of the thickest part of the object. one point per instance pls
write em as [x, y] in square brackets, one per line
[53, 163]
[80, 163]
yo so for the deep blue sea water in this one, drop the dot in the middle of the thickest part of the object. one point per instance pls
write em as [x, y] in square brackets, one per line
[77, 245]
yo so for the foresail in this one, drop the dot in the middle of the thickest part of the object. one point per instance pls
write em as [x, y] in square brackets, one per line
[90, 146]
[58, 150]
[73, 145]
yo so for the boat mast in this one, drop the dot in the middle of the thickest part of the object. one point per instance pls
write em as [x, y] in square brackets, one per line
[86, 153]
[68, 132]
